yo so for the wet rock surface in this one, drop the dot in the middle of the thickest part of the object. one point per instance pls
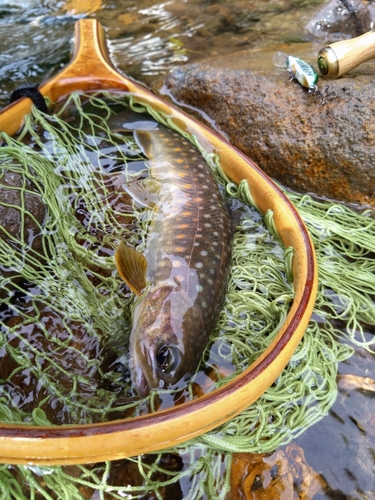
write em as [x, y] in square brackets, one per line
[326, 149]
[339, 19]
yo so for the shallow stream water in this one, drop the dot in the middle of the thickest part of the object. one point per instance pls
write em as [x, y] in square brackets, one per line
[147, 39]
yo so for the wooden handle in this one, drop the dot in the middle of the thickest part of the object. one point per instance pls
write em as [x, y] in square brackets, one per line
[85, 443]
[89, 70]
[338, 58]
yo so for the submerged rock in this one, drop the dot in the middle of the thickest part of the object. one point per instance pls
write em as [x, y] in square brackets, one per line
[22, 213]
[284, 474]
[340, 19]
[325, 149]
[20, 202]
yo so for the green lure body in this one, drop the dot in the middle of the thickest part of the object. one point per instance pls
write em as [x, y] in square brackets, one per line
[298, 69]
[302, 72]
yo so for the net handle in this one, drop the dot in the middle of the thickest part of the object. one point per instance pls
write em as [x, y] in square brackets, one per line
[91, 70]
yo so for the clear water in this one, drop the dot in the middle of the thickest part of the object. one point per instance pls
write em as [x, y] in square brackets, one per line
[147, 39]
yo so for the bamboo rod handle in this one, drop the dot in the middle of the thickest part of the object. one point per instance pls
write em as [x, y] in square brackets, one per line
[338, 58]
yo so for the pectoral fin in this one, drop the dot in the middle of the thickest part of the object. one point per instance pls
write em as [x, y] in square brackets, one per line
[144, 140]
[132, 267]
[145, 191]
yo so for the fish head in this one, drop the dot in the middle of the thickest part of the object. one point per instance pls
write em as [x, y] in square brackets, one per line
[163, 343]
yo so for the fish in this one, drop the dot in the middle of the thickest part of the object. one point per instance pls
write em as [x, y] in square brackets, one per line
[181, 277]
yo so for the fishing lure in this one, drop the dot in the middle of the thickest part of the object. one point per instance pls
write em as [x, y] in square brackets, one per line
[299, 70]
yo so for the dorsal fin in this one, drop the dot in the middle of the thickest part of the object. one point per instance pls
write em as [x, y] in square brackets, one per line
[143, 139]
[132, 267]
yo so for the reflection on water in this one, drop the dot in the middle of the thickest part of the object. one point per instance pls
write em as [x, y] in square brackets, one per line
[30, 51]
[341, 446]
[152, 40]
[146, 38]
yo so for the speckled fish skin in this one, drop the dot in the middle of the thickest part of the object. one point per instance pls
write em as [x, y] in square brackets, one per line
[188, 254]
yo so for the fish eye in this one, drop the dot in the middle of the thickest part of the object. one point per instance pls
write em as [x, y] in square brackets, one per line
[167, 358]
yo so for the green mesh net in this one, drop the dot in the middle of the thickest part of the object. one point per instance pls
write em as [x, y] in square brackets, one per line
[65, 313]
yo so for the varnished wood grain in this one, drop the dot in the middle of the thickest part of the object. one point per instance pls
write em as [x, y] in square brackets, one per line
[91, 70]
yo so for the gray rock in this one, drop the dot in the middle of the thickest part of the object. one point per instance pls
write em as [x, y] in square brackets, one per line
[340, 19]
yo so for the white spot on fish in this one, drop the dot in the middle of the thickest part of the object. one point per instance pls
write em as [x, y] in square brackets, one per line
[207, 224]
[199, 288]
[204, 304]
[198, 265]
[204, 253]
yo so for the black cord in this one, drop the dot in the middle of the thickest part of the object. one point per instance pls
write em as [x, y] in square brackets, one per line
[30, 90]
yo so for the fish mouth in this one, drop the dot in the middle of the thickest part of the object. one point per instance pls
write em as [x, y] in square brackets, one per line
[139, 379]
[141, 384]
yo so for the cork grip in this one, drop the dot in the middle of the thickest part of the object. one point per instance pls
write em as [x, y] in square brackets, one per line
[339, 58]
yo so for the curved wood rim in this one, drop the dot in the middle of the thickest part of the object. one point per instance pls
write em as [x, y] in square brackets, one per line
[91, 70]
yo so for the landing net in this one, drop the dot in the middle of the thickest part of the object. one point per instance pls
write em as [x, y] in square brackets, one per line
[65, 313]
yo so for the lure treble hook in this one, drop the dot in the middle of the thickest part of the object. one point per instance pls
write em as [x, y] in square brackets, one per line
[300, 71]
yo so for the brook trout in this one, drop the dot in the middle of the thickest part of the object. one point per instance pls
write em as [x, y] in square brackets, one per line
[182, 276]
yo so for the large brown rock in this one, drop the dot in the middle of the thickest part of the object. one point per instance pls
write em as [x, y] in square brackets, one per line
[328, 149]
